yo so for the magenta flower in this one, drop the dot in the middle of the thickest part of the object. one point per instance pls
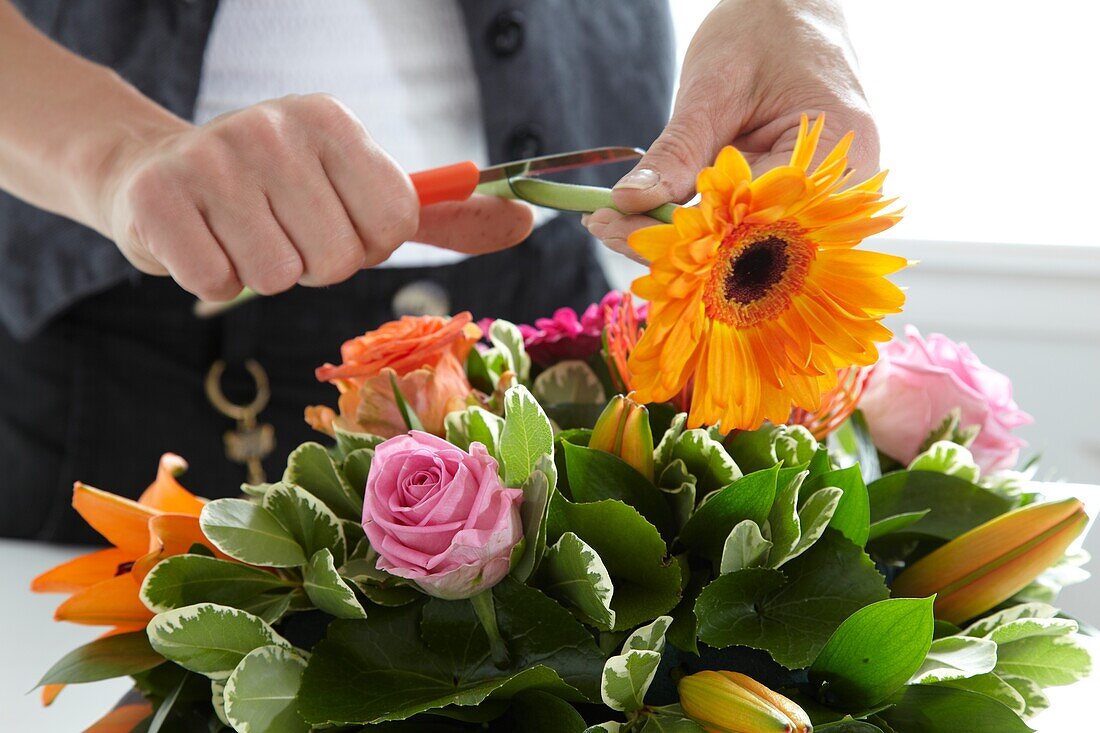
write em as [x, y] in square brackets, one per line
[566, 335]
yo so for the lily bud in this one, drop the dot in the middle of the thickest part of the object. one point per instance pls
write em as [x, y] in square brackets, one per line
[728, 702]
[989, 564]
[623, 430]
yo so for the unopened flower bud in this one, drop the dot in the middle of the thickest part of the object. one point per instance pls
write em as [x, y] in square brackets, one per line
[729, 702]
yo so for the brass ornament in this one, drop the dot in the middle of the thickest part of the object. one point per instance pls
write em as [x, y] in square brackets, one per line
[251, 441]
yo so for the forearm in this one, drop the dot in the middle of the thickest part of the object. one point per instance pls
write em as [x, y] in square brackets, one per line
[64, 121]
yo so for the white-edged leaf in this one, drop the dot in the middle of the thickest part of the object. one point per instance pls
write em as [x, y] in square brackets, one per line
[474, 425]
[309, 521]
[994, 686]
[570, 381]
[311, 467]
[1022, 628]
[184, 580]
[650, 637]
[984, 626]
[626, 678]
[246, 531]
[1035, 700]
[537, 490]
[610, 726]
[956, 658]
[508, 340]
[814, 517]
[217, 701]
[576, 573]
[662, 454]
[745, 547]
[262, 693]
[209, 639]
[526, 436]
[327, 589]
[784, 529]
[1048, 661]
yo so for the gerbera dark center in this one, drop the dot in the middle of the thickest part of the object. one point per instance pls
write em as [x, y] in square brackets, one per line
[759, 266]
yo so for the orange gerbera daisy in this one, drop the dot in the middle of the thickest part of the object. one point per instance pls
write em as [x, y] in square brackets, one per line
[757, 295]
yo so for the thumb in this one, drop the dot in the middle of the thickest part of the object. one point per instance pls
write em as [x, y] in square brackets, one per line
[666, 173]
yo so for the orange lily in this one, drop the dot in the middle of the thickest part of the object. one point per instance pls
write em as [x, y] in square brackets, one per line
[123, 719]
[105, 584]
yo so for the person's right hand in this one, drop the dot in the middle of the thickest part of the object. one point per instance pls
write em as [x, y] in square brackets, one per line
[289, 191]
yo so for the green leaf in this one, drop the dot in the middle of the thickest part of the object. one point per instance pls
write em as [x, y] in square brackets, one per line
[750, 497]
[848, 726]
[706, 459]
[312, 524]
[983, 627]
[348, 442]
[955, 506]
[956, 658]
[995, 687]
[427, 656]
[209, 639]
[120, 655]
[540, 712]
[949, 458]
[670, 720]
[508, 340]
[896, 523]
[356, 469]
[628, 675]
[475, 425]
[874, 652]
[575, 572]
[646, 584]
[261, 695]
[1034, 700]
[794, 445]
[537, 491]
[744, 548]
[941, 709]
[754, 450]
[853, 514]
[247, 532]
[815, 516]
[526, 436]
[570, 382]
[311, 467]
[408, 414]
[595, 475]
[184, 580]
[678, 486]
[791, 613]
[783, 526]
[327, 589]
[662, 454]
[1048, 661]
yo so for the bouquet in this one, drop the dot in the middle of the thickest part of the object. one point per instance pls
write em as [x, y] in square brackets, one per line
[727, 509]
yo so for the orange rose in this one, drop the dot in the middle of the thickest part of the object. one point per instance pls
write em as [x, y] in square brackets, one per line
[425, 355]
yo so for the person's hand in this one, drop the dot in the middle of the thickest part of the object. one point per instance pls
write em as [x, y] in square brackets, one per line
[289, 191]
[751, 71]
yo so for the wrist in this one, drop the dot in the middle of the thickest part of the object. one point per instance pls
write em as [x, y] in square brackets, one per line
[124, 127]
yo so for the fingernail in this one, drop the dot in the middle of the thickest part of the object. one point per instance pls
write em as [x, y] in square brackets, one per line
[639, 179]
[584, 219]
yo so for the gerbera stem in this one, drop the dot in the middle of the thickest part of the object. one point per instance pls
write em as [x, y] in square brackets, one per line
[487, 615]
[563, 196]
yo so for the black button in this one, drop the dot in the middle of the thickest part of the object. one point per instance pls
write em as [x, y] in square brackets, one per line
[524, 142]
[505, 35]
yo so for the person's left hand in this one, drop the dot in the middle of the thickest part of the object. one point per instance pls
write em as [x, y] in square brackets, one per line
[752, 70]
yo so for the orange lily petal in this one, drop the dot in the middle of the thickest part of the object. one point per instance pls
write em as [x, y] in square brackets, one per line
[123, 719]
[82, 572]
[166, 494]
[50, 693]
[123, 522]
[113, 602]
[170, 534]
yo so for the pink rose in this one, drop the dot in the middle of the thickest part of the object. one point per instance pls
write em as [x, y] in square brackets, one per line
[916, 384]
[439, 516]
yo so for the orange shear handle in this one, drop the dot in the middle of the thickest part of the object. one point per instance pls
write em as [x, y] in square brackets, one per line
[450, 183]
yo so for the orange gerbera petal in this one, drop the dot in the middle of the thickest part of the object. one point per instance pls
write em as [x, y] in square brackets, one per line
[122, 719]
[166, 494]
[112, 602]
[123, 522]
[82, 572]
[756, 296]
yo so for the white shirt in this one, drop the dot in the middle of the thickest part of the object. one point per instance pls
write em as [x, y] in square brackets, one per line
[402, 66]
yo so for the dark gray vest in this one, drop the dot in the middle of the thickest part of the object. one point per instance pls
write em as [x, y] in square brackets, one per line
[555, 75]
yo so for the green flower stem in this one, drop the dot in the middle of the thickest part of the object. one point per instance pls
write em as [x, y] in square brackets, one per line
[563, 196]
[487, 615]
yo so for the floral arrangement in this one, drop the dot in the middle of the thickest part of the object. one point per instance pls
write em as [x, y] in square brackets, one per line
[727, 511]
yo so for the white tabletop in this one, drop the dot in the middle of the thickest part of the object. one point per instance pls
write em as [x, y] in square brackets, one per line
[32, 642]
